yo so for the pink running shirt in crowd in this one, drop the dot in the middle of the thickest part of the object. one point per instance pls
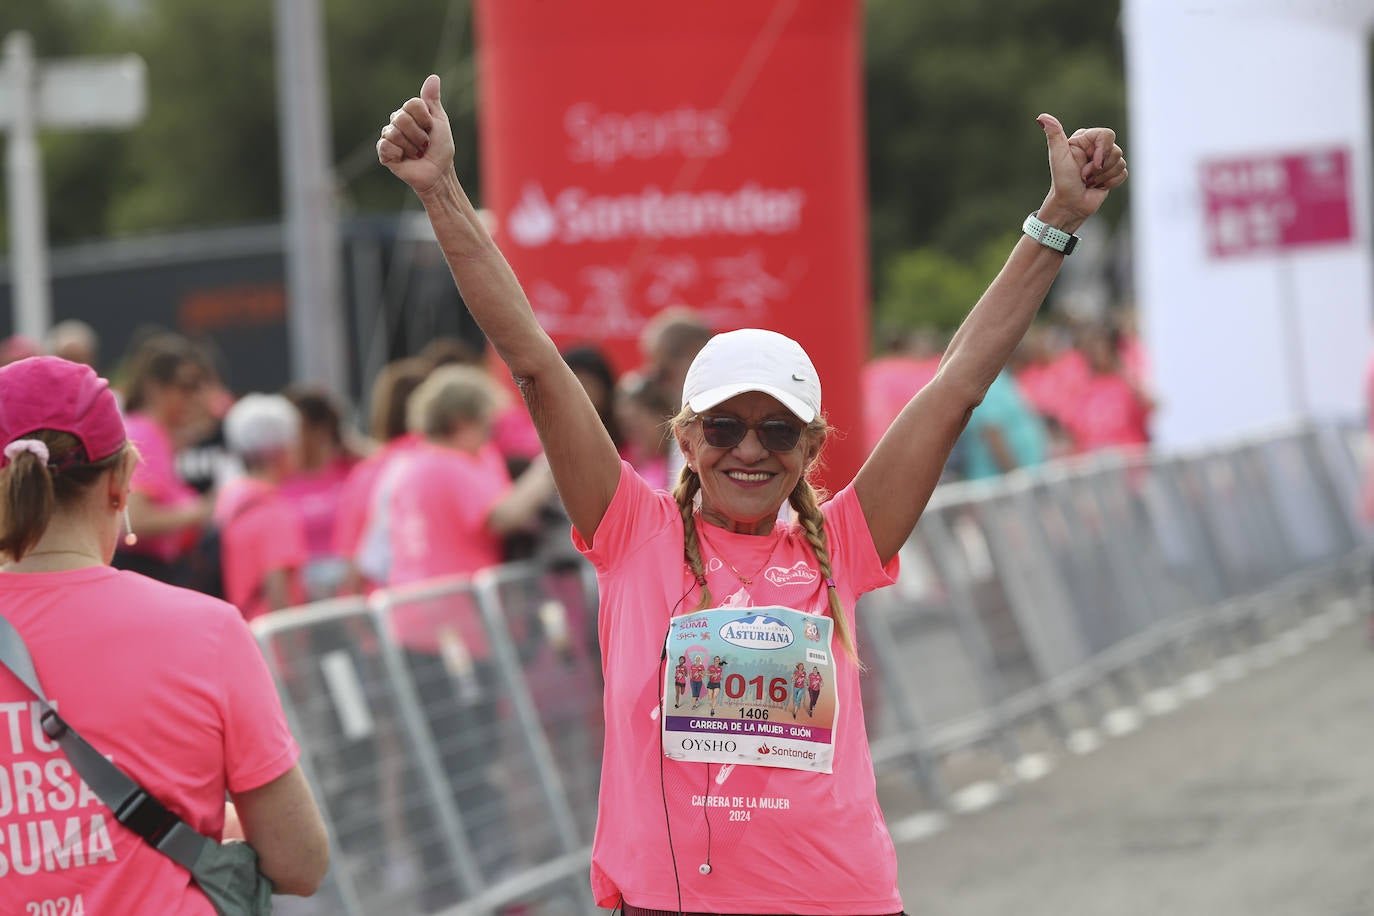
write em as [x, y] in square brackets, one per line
[355, 497]
[1055, 387]
[1110, 413]
[315, 494]
[439, 509]
[888, 383]
[260, 532]
[1036, 383]
[156, 478]
[1135, 361]
[513, 433]
[169, 683]
[813, 843]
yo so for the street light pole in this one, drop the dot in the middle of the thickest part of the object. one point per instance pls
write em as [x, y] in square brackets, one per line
[24, 181]
[314, 287]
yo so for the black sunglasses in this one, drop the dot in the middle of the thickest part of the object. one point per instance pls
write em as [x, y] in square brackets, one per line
[728, 432]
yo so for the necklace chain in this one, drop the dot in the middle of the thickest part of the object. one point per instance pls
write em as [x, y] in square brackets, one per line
[746, 581]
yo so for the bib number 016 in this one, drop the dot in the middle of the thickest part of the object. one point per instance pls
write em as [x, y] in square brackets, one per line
[736, 685]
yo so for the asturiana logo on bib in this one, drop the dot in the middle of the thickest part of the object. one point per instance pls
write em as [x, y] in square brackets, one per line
[757, 632]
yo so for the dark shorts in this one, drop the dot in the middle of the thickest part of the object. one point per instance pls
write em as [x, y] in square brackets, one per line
[713, 685]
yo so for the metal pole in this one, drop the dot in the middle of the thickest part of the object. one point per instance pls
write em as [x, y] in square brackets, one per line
[1291, 317]
[24, 174]
[315, 307]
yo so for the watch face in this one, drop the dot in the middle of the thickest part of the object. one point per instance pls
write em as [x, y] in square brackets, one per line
[1071, 245]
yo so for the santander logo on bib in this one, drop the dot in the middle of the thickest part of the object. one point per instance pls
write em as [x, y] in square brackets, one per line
[757, 632]
[800, 574]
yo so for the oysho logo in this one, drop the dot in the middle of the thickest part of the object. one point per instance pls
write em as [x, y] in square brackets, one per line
[757, 632]
[800, 574]
[709, 744]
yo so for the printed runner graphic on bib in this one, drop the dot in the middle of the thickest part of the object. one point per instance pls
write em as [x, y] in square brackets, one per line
[760, 689]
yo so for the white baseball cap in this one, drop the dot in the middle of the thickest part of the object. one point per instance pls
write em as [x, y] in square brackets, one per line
[259, 424]
[752, 359]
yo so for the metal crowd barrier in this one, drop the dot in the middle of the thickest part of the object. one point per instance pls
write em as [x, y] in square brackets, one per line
[453, 730]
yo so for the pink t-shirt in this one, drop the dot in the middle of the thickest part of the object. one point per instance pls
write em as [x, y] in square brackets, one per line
[1037, 385]
[514, 434]
[888, 383]
[169, 683]
[801, 842]
[260, 532]
[1109, 413]
[1135, 362]
[1056, 389]
[438, 509]
[315, 495]
[355, 496]
[156, 478]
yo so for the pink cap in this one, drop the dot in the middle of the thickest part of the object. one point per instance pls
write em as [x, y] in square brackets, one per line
[45, 392]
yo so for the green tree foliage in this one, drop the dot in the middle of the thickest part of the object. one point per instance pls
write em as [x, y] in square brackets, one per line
[927, 286]
[208, 152]
[80, 167]
[955, 155]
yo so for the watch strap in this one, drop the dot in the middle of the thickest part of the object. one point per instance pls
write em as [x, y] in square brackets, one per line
[1049, 236]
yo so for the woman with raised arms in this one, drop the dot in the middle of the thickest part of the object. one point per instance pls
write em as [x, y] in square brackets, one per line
[751, 429]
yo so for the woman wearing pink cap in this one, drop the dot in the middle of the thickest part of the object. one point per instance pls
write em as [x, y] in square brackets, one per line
[751, 429]
[167, 682]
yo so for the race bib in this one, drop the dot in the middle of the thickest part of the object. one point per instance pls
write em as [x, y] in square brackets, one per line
[761, 689]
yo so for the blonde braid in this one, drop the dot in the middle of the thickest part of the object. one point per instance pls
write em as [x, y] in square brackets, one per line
[688, 483]
[803, 499]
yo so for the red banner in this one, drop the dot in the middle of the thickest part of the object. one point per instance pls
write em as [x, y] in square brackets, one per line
[1273, 203]
[638, 156]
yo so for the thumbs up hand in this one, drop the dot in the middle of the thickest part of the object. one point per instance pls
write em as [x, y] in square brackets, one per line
[1083, 169]
[417, 142]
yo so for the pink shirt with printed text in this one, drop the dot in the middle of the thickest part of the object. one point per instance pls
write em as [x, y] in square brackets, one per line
[355, 496]
[261, 532]
[798, 842]
[439, 510]
[156, 478]
[166, 681]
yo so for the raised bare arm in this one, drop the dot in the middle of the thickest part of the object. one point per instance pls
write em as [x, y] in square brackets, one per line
[417, 146]
[897, 480]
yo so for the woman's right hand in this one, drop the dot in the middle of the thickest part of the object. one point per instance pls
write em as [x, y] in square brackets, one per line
[417, 142]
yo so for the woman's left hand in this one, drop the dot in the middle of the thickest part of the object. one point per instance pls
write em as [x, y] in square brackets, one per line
[1083, 169]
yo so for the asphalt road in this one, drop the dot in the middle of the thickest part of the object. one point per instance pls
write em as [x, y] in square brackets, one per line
[1256, 799]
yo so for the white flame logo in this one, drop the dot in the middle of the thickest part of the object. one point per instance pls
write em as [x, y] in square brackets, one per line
[532, 221]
